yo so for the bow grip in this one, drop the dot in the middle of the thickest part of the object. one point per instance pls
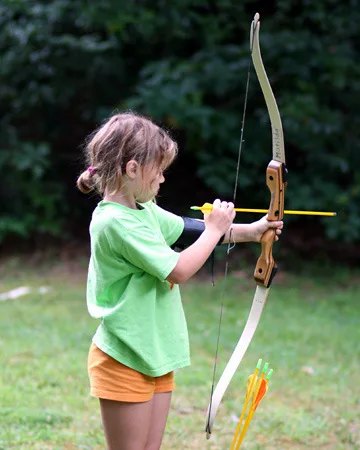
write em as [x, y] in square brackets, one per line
[266, 267]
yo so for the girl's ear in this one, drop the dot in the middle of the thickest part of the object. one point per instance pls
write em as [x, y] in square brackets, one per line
[132, 169]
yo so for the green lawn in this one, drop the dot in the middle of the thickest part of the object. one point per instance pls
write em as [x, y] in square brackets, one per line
[309, 333]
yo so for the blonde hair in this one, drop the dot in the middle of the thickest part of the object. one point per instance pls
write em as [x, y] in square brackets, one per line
[122, 138]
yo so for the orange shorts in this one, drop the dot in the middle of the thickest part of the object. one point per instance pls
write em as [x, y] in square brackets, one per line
[111, 380]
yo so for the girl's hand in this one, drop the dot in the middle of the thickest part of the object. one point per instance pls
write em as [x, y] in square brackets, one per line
[220, 218]
[259, 227]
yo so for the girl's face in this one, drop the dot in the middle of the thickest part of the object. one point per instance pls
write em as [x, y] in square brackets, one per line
[149, 182]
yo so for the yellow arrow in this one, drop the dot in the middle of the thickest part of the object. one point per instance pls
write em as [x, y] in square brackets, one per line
[256, 391]
[250, 390]
[207, 207]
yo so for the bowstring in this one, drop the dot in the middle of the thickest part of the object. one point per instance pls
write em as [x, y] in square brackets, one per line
[230, 245]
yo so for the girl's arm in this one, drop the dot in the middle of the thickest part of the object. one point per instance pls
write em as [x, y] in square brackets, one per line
[252, 232]
[194, 257]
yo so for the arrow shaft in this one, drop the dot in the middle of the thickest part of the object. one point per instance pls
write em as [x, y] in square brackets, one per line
[264, 211]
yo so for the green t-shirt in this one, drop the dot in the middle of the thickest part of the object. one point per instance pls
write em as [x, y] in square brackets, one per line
[143, 324]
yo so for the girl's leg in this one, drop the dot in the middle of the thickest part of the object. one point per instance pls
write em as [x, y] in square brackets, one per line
[160, 410]
[135, 426]
[126, 425]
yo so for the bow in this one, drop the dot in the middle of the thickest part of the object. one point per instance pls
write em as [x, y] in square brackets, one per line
[266, 267]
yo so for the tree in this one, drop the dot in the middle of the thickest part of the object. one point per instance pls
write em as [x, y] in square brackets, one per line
[66, 65]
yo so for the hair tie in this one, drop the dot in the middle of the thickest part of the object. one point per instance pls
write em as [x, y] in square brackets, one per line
[91, 170]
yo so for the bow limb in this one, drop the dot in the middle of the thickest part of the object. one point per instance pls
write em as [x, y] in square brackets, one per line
[278, 147]
[257, 307]
[266, 267]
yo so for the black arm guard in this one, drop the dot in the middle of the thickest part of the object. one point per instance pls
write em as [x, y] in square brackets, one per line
[192, 230]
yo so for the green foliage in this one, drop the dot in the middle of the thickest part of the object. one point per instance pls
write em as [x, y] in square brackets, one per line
[66, 65]
[23, 198]
[51, 66]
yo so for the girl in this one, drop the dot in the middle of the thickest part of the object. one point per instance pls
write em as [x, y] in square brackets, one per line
[134, 275]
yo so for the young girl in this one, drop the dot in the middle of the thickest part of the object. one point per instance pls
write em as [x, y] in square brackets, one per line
[134, 277]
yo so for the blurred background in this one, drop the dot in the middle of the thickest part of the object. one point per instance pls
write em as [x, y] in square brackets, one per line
[68, 65]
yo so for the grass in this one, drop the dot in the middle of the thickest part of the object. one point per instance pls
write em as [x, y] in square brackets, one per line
[309, 332]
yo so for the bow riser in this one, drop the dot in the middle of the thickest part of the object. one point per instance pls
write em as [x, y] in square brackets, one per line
[266, 268]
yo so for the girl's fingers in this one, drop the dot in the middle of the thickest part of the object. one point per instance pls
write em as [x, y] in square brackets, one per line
[217, 203]
[278, 224]
[224, 205]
